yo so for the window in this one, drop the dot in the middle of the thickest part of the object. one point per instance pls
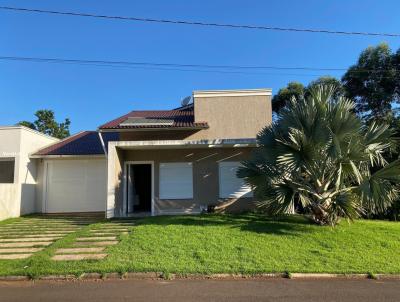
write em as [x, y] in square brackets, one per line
[230, 186]
[176, 181]
[7, 170]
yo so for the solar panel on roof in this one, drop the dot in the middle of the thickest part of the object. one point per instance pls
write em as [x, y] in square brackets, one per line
[139, 121]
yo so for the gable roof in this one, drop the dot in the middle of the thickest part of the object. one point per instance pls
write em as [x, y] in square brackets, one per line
[182, 117]
[82, 143]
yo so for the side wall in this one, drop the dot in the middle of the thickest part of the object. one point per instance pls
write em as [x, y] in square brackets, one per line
[8, 201]
[205, 178]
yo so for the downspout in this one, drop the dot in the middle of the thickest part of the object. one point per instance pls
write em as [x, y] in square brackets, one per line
[102, 143]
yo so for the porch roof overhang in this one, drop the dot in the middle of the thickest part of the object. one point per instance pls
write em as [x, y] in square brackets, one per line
[185, 144]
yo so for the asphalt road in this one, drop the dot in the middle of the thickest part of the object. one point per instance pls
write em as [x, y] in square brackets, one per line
[202, 290]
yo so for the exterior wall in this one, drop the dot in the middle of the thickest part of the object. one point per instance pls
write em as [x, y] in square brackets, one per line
[30, 142]
[205, 178]
[150, 135]
[115, 164]
[8, 199]
[39, 192]
[18, 142]
[231, 116]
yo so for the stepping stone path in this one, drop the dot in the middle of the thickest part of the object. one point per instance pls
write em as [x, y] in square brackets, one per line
[79, 257]
[92, 245]
[22, 238]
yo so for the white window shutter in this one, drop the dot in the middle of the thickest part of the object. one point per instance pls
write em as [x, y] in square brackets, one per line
[176, 180]
[230, 186]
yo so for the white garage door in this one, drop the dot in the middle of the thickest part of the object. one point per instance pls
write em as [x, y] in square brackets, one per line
[76, 186]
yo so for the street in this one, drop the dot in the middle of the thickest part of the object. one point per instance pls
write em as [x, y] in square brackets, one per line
[202, 290]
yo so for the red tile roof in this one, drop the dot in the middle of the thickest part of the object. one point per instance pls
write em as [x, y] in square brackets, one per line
[180, 118]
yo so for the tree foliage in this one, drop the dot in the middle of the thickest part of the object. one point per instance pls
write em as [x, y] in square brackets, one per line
[327, 81]
[319, 154]
[372, 82]
[284, 95]
[297, 91]
[46, 123]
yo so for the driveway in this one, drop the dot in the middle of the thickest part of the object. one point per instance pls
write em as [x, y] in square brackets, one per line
[202, 290]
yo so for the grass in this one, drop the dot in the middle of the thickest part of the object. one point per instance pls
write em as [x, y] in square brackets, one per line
[232, 244]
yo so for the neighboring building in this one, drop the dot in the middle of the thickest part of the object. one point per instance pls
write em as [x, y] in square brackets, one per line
[18, 173]
[157, 162]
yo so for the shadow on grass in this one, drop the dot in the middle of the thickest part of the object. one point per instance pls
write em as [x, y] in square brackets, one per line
[285, 225]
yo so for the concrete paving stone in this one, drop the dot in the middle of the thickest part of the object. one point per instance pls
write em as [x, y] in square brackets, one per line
[80, 250]
[21, 250]
[28, 239]
[19, 227]
[109, 229]
[109, 233]
[35, 232]
[34, 236]
[14, 256]
[117, 225]
[78, 257]
[53, 222]
[25, 244]
[95, 243]
[47, 223]
[96, 238]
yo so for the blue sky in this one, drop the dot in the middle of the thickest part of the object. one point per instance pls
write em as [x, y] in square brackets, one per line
[92, 95]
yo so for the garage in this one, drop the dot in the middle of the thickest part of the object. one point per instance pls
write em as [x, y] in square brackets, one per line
[73, 185]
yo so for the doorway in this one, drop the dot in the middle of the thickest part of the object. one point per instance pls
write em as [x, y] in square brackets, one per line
[139, 188]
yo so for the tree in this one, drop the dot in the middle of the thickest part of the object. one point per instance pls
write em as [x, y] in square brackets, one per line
[372, 82]
[284, 95]
[319, 154]
[326, 81]
[297, 90]
[396, 66]
[45, 122]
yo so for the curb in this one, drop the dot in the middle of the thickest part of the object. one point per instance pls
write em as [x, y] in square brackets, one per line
[161, 276]
[329, 276]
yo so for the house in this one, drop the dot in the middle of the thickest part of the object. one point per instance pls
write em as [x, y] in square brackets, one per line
[157, 162]
[18, 172]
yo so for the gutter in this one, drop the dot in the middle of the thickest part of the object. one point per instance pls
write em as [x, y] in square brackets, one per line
[68, 156]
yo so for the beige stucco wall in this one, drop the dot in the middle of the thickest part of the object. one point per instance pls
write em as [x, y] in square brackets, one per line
[205, 178]
[18, 142]
[150, 135]
[236, 116]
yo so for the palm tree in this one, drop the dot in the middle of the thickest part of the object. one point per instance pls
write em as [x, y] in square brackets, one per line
[320, 156]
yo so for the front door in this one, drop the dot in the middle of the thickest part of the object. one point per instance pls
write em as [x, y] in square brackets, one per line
[139, 188]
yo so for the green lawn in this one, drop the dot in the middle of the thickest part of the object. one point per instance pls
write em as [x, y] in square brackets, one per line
[233, 244]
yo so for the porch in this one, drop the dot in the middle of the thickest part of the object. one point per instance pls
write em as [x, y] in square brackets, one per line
[176, 177]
